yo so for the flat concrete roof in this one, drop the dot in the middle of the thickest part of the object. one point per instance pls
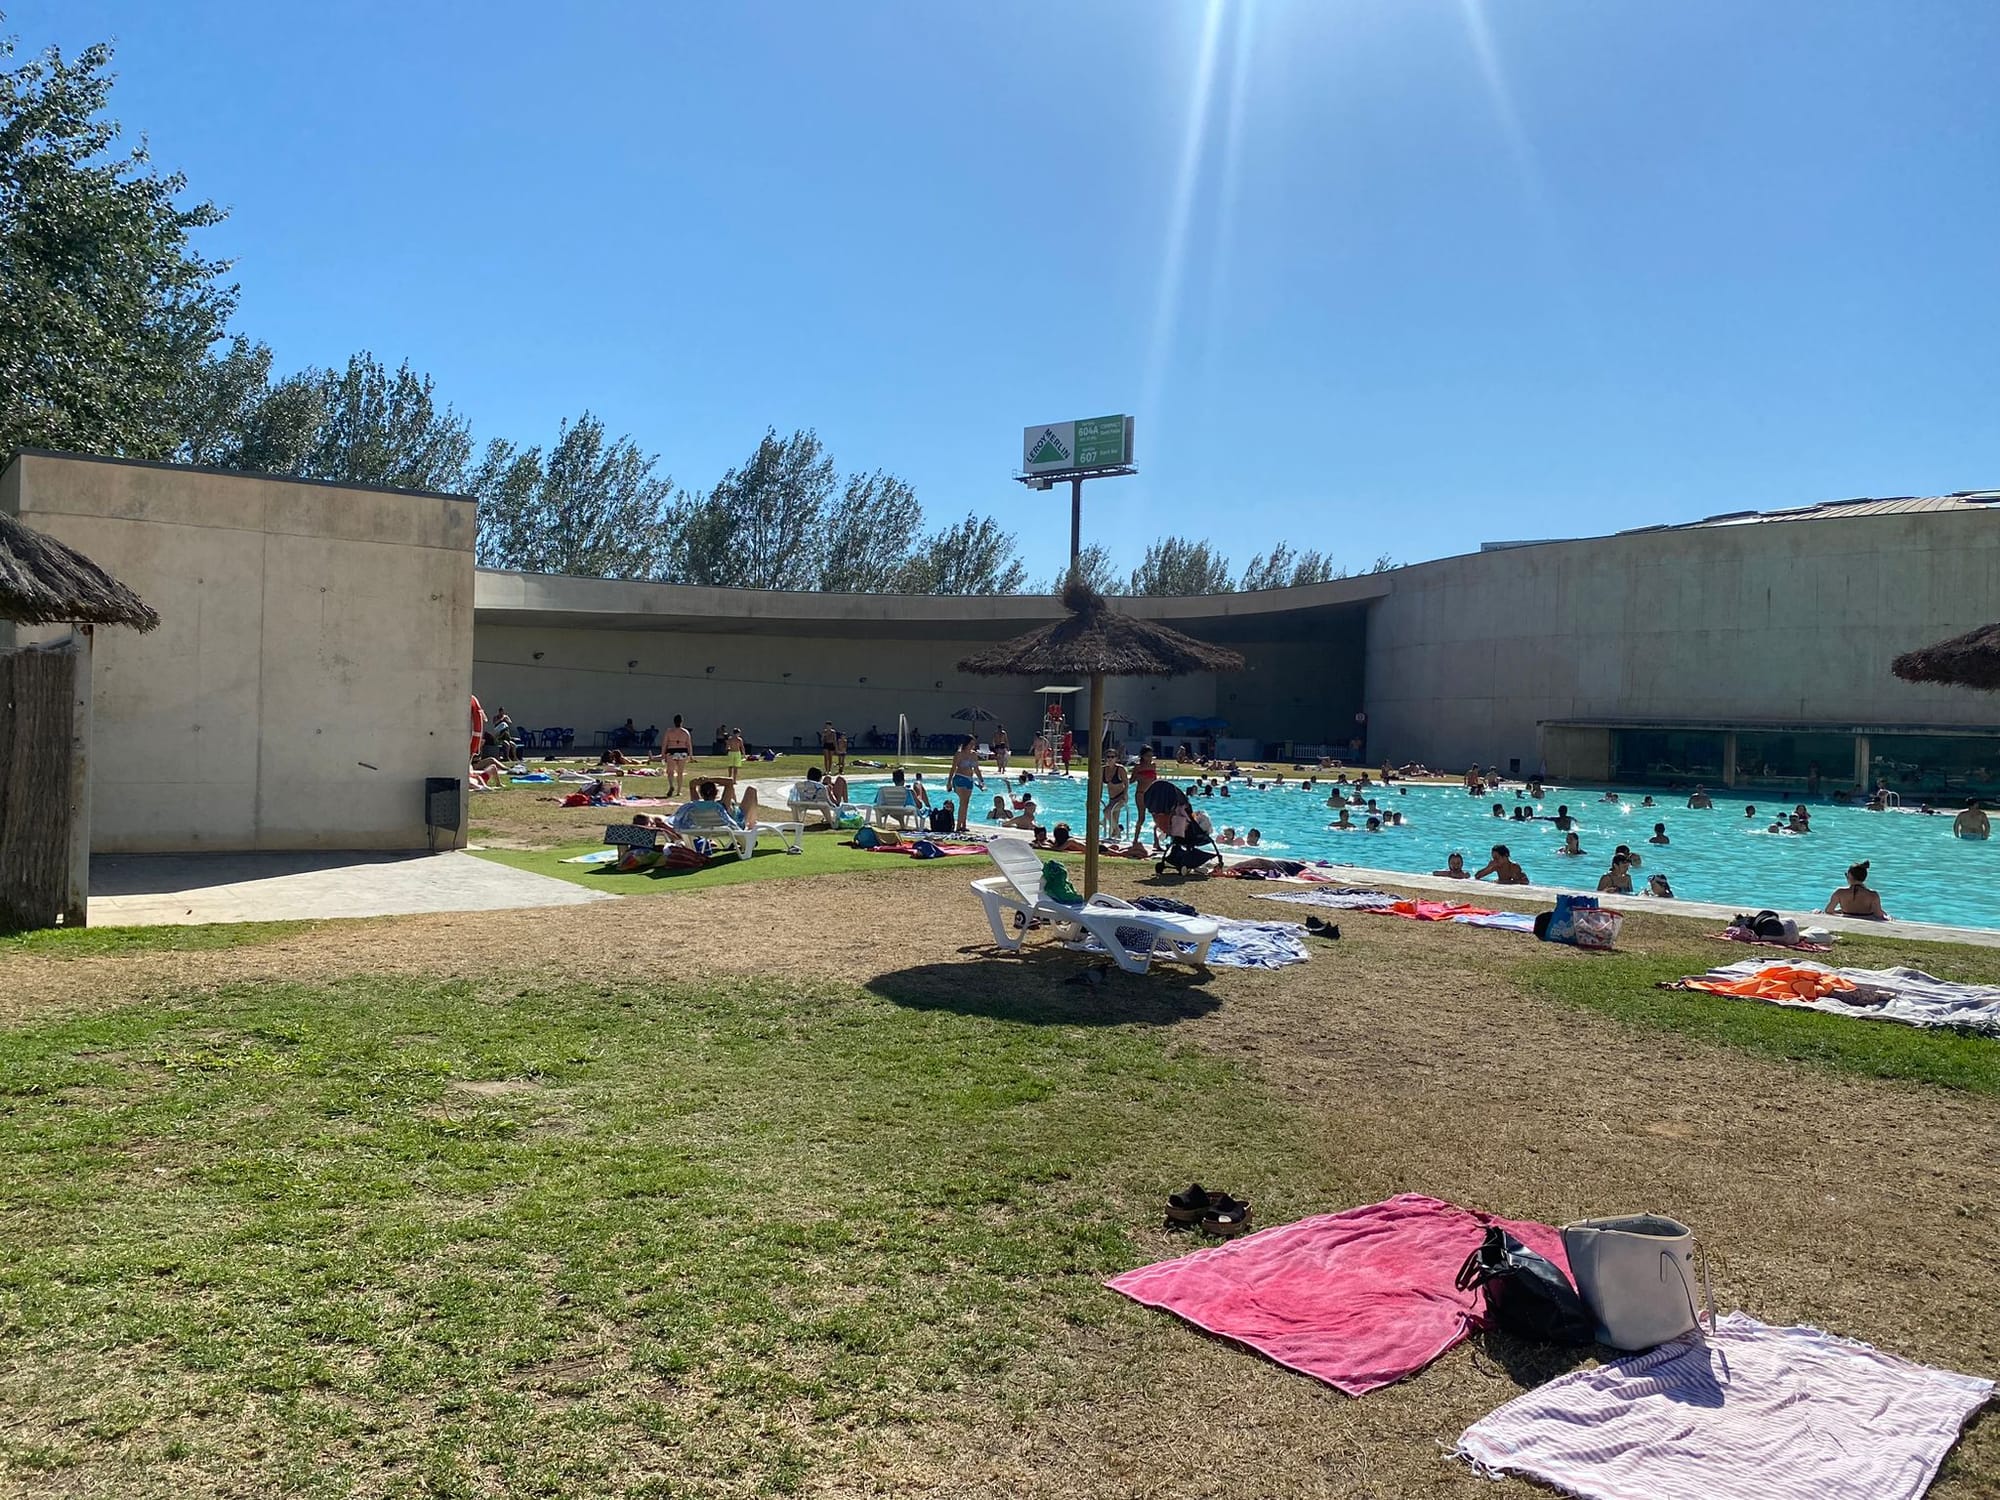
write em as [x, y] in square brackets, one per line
[1772, 726]
[501, 598]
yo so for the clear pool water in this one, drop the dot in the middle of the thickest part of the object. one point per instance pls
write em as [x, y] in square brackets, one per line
[1922, 872]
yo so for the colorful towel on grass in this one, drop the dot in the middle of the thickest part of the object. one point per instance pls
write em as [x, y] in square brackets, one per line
[910, 850]
[1900, 994]
[1359, 1299]
[1237, 945]
[1505, 921]
[578, 799]
[1774, 1413]
[1341, 898]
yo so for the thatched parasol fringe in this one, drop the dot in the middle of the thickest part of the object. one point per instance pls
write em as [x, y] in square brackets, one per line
[1970, 660]
[43, 582]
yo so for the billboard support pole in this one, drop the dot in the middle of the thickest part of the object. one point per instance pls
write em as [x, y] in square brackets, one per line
[1075, 521]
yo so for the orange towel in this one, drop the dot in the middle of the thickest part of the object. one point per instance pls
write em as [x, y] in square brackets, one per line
[1785, 983]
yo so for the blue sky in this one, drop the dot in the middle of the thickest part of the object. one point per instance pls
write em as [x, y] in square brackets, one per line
[1374, 275]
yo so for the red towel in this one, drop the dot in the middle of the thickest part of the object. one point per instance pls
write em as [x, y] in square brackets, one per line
[1358, 1299]
[1430, 911]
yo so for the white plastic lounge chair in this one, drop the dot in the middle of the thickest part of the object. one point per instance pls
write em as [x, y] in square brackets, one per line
[1018, 888]
[896, 804]
[711, 821]
[811, 799]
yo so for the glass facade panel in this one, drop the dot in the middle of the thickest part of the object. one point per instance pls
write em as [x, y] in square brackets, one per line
[1781, 756]
[1667, 755]
[1935, 763]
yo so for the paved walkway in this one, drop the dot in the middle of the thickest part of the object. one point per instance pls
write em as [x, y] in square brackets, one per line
[147, 890]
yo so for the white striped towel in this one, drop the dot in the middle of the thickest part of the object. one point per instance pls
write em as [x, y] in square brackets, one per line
[1755, 1411]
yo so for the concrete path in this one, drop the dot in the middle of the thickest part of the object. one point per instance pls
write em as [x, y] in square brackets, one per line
[146, 890]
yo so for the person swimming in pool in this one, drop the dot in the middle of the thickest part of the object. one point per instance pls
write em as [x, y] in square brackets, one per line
[1972, 823]
[1855, 899]
[1499, 810]
[1659, 835]
[1562, 819]
[1454, 867]
[1701, 799]
[1502, 868]
[1616, 881]
[1345, 822]
[1571, 845]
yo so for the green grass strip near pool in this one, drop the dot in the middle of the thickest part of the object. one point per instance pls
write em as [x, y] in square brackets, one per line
[825, 854]
[457, 1238]
[1623, 985]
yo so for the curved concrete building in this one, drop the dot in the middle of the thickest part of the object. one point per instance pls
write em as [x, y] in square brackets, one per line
[317, 642]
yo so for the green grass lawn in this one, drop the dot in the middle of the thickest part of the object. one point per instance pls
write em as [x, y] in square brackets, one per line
[78, 942]
[825, 853]
[452, 1239]
[1625, 985]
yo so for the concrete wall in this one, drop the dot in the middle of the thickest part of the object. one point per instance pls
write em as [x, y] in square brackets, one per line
[1768, 621]
[773, 687]
[311, 666]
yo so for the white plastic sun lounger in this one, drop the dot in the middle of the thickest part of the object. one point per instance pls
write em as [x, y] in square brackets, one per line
[811, 799]
[710, 821]
[1018, 888]
[898, 803]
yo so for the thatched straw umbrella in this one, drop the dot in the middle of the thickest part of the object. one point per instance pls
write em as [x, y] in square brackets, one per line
[1970, 660]
[42, 582]
[1095, 639]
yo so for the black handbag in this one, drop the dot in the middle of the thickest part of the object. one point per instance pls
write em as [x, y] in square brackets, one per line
[1527, 1294]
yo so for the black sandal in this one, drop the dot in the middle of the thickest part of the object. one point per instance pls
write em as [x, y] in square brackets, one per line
[1188, 1207]
[1226, 1217]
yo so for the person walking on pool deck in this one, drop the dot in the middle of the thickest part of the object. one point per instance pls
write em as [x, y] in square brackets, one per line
[1001, 749]
[1855, 899]
[965, 773]
[1971, 824]
[827, 736]
[1117, 786]
[676, 745]
[1502, 868]
[840, 752]
[735, 746]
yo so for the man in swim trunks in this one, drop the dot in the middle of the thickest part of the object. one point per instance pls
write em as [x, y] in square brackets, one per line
[1701, 799]
[676, 746]
[1502, 868]
[1855, 899]
[1971, 824]
[965, 772]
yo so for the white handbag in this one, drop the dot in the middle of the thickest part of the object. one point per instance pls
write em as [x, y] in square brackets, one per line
[1637, 1274]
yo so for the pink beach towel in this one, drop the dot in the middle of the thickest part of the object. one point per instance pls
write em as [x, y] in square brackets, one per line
[1358, 1299]
[1755, 1411]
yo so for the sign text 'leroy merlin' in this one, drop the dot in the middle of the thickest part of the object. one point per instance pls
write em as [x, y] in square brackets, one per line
[1092, 443]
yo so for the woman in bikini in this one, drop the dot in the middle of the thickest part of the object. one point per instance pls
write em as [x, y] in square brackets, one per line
[965, 774]
[1117, 787]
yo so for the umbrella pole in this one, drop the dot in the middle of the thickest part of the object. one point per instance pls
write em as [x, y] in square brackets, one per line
[1092, 816]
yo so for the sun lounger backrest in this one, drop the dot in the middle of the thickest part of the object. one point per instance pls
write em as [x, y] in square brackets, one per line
[895, 796]
[1020, 864]
[698, 817]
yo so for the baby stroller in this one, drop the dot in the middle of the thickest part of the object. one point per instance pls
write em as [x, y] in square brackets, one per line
[1190, 846]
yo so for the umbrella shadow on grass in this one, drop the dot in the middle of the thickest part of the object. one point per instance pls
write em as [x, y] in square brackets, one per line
[1036, 986]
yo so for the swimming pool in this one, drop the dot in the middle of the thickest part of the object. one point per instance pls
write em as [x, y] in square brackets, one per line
[1923, 873]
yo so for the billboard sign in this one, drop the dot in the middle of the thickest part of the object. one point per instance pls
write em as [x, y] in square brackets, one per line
[1064, 447]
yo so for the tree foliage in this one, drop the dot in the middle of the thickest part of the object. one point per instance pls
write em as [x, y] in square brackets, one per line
[973, 557]
[1282, 567]
[762, 526]
[588, 508]
[868, 534]
[1093, 564]
[1178, 566]
[106, 313]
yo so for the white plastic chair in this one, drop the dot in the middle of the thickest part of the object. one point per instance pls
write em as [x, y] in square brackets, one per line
[897, 804]
[1018, 888]
[810, 799]
[712, 820]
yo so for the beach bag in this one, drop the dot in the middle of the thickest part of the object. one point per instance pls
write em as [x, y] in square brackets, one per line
[1596, 929]
[943, 820]
[866, 838]
[1637, 1275]
[1562, 922]
[1527, 1294]
[925, 849]
[681, 857]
